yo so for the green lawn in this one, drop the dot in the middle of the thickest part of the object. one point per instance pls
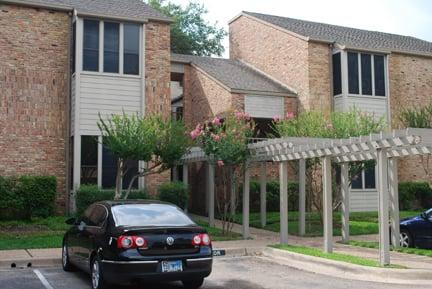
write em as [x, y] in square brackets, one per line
[48, 233]
[361, 223]
[375, 245]
[332, 256]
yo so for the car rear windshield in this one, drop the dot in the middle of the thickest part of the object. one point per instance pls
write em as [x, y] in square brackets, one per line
[159, 215]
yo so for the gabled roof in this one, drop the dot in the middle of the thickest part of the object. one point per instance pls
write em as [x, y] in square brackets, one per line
[235, 75]
[127, 9]
[350, 38]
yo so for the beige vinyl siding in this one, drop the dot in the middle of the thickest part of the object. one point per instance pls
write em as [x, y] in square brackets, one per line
[106, 95]
[373, 105]
[338, 104]
[264, 106]
[363, 200]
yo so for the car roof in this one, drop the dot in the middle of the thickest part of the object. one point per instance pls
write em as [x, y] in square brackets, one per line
[133, 202]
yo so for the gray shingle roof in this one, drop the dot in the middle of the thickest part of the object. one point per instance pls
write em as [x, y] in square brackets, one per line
[130, 9]
[234, 74]
[350, 37]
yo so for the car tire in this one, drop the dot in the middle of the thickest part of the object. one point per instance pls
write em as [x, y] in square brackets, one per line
[96, 274]
[193, 284]
[66, 264]
[405, 239]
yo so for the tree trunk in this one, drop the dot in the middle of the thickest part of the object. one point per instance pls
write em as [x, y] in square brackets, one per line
[119, 177]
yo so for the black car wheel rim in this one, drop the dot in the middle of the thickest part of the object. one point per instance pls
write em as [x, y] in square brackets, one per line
[64, 256]
[404, 240]
[95, 275]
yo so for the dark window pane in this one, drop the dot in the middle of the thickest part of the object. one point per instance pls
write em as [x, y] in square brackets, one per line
[73, 48]
[89, 159]
[111, 47]
[366, 74]
[379, 75]
[132, 170]
[337, 76]
[91, 45]
[109, 171]
[131, 49]
[353, 83]
[150, 215]
[357, 181]
[370, 178]
[264, 128]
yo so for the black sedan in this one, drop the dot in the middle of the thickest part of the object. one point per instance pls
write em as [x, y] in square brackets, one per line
[417, 231]
[122, 241]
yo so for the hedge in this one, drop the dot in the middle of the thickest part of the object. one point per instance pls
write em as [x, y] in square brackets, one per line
[273, 203]
[27, 197]
[89, 194]
[415, 195]
[175, 193]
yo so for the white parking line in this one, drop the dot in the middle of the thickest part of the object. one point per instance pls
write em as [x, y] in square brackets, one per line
[43, 279]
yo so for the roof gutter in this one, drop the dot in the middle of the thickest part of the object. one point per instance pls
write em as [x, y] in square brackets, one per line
[57, 7]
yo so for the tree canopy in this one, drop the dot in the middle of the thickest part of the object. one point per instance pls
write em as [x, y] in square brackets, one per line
[190, 32]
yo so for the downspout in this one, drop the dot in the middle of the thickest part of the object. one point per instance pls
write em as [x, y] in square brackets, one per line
[67, 116]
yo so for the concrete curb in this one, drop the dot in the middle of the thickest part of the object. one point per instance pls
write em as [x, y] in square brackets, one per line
[29, 263]
[346, 270]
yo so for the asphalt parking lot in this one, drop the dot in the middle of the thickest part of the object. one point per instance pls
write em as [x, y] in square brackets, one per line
[228, 273]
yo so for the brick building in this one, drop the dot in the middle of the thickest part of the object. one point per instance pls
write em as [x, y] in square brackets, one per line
[62, 62]
[329, 68]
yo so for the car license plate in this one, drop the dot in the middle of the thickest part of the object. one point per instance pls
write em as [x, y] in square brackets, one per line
[172, 266]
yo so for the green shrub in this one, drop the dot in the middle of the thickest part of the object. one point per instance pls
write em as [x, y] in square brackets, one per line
[414, 195]
[272, 189]
[175, 193]
[27, 197]
[89, 194]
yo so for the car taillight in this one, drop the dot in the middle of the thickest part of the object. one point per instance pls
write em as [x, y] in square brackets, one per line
[201, 240]
[130, 242]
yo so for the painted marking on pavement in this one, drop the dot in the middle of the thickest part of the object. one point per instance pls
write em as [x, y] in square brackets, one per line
[43, 279]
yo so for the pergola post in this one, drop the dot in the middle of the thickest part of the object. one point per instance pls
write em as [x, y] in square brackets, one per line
[302, 197]
[211, 194]
[283, 185]
[394, 202]
[383, 213]
[246, 185]
[263, 192]
[345, 206]
[327, 205]
[186, 180]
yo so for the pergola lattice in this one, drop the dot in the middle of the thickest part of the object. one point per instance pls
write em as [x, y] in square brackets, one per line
[385, 148]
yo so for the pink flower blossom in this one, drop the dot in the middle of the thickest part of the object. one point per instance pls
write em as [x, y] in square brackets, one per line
[220, 163]
[215, 137]
[276, 118]
[239, 115]
[246, 116]
[290, 115]
[216, 121]
[194, 134]
[329, 126]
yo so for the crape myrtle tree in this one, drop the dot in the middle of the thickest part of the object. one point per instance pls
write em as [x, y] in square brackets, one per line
[158, 141]
[190, 32]
[333, 125]
[224, 141]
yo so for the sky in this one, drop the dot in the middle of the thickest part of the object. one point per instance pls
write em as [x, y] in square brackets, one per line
[405, 17]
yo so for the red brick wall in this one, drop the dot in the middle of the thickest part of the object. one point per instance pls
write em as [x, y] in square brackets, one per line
[410, 80]
[33, 93]
[157, 79]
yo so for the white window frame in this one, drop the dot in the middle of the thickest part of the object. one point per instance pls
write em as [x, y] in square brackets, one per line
[363, 188]
[121, 50]
[360, 94]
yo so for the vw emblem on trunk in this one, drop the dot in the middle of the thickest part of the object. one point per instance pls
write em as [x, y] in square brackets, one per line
[170, 240]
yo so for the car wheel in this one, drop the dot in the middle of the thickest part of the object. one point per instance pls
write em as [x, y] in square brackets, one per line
[193, 284]
[405, 239]
[67, 266]
[97, 279]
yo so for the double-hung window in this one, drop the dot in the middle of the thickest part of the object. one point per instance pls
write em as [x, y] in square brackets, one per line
[366, 74]
[118, 54]
[364, 180]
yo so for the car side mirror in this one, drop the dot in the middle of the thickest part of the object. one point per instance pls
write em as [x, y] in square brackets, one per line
[70, 221]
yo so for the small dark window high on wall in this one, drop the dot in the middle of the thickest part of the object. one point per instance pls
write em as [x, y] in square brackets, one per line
[91, 45]
[353, 76]
[379, 75]
[89, 159]
[111, 47]
[131, 49]
[337, 76]
[366, 74]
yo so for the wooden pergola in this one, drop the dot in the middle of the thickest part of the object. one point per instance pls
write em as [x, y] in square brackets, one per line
[384, 148]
